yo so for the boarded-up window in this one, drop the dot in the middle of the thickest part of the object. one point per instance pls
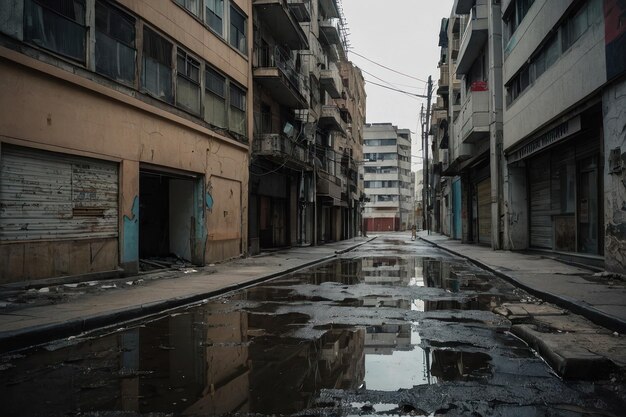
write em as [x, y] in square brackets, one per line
[44, 195]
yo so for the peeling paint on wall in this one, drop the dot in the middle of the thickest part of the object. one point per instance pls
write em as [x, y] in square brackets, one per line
[131, 234]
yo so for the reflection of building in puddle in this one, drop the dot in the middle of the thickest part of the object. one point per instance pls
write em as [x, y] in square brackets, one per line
[388, 270]
[343, 271]
[288, 373]
[450, 365]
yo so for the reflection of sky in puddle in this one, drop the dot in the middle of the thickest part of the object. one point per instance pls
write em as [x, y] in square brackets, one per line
[402, 365]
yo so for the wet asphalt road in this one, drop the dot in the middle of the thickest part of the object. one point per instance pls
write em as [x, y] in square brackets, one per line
[393, 328]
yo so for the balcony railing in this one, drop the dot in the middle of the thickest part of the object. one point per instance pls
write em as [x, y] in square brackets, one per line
[301, 9]
[274, 57]
[283, 148]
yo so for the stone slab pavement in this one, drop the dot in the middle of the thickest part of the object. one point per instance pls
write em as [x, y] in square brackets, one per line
[32, 325]
[601, 300]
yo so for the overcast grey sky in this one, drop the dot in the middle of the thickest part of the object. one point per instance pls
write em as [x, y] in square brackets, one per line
[402, 35]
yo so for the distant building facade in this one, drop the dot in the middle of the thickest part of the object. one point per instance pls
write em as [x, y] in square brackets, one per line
[387, 177]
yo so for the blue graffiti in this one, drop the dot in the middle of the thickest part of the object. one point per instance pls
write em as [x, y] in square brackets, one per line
[209, 201]
[131, 234]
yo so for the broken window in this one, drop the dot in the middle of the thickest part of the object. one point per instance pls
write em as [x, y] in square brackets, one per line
[157, 65]
[237, 122]
[57, 25]
[215, 98]
[188, 82]
[238, 30]
[115, 43]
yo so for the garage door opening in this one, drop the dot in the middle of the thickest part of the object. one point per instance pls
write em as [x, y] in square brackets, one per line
[166, 219]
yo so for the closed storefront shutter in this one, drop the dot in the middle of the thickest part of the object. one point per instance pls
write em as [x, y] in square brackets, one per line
[50, 196]
[484, 211]
[540, 202]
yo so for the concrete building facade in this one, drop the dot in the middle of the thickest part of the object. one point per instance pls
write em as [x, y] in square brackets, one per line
[538, 144]
[564, 68]
[309, 111]
[387, 177]
[124, 134]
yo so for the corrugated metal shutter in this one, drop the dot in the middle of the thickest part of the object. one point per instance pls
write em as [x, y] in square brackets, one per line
[540, 207]
[484, 211]
[45, 195]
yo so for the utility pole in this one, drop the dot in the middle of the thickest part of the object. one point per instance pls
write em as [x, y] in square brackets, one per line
[426, 129]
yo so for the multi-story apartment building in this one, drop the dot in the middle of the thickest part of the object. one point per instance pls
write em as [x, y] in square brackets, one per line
[124, 133]
[475, 131]
[309, 111]
[387, 177]
[538, 144]
[564, 77]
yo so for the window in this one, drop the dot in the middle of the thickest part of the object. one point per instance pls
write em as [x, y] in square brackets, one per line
[238, 23]
[157, 65]
[57, 25]
[517, 14]
[192, 5]
[237, 122]
[187, 82]
[215, 98]
[115, 43]
[214, 15]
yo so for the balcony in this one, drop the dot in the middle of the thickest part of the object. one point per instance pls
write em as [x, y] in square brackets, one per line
[282, 150]
[329, 187]
[301, 9]
[336, 53]
[330, 31]
[475, 117]
[444, 80]
[463, 6]
[455, 44]
[276, 73]
[329, 8]
[330, 80]
[473, 40]
[330, 118]
[277, 17]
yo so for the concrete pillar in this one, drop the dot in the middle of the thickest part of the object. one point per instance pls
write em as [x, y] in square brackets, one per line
[495, 123]
[129, 216]
[515, 208]
[614, 113]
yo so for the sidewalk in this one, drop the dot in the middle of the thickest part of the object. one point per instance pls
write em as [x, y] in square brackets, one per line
[600, 300]
[32, 325]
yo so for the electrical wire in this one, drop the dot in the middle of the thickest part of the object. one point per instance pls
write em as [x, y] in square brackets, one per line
[388, 82]
[397, 90]
[385, 67]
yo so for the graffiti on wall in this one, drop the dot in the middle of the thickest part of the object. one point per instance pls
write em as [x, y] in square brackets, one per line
[130, 251]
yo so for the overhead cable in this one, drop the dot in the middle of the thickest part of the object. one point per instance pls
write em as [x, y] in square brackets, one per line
[387, 68]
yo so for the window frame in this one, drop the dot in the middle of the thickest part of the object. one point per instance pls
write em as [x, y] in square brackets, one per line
[234, 10]
[172, 46]
[190, 62]
[132, 20]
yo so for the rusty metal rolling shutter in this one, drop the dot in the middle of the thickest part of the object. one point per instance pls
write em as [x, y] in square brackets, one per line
[50, 196]
[484, 211]
[540, 206]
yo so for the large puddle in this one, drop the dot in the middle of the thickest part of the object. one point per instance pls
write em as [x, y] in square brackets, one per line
[373, 323]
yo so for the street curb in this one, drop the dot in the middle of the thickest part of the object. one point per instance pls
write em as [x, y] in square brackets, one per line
[575, 306]
[35, 335]
[340, 251]
[586, 367]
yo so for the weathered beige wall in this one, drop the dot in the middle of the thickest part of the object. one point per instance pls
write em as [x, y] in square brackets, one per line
[55, 110]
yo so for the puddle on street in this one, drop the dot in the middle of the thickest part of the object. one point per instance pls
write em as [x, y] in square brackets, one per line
[239, 353]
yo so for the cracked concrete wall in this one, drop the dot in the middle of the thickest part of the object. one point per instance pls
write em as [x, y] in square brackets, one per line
[614, 111]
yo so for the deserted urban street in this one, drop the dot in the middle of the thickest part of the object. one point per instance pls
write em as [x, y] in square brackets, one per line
[393, 327]
[300, 208]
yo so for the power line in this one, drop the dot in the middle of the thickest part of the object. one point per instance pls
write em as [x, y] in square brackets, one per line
[387, 68]
[398, 90]
[388, 82]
